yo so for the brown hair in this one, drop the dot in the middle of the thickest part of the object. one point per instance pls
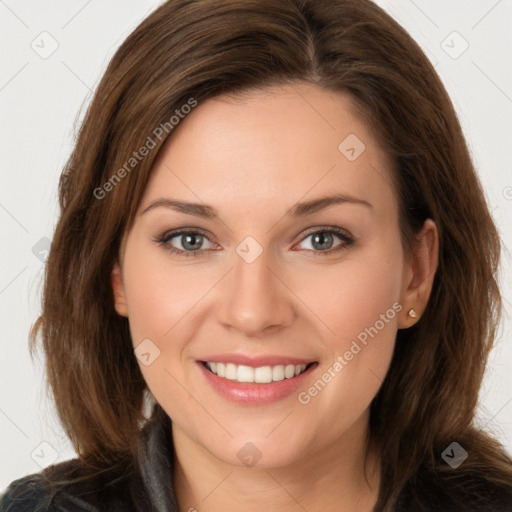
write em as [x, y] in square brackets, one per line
[199, 49]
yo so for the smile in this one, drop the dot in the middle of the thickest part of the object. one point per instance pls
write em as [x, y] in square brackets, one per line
[258, 375]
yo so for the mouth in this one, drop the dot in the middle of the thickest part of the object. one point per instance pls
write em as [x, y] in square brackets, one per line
[257, 375]
[255, 380]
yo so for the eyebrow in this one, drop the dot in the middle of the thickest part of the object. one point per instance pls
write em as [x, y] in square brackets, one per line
[298, 210]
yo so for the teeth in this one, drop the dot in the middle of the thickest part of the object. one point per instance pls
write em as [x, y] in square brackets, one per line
[260, 375]
[231, 371]
[263, 374]
[245, 374]
[289, 371]
[278, 372]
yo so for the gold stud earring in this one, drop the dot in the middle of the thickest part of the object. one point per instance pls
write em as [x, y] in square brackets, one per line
[412, 313]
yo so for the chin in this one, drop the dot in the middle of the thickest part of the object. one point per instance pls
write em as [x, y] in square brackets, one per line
[258, 451]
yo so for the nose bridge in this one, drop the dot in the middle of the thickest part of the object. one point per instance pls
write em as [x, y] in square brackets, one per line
[254, 298]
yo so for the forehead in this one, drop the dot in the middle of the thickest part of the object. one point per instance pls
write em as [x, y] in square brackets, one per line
[271, 147]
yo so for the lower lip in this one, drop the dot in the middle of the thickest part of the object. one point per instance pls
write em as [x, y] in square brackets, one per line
[255, 394]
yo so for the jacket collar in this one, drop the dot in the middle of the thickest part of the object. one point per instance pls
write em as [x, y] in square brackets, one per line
[156, 461]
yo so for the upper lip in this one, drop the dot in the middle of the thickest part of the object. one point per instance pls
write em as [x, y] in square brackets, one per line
[256, 361]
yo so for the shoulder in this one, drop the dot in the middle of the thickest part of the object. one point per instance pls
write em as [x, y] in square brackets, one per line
[455, 492]
[65, 487]
[129, 484]
[27, 493]
[35, 491]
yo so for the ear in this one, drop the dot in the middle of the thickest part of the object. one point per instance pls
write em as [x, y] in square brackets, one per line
[419, 274]
[118, 290]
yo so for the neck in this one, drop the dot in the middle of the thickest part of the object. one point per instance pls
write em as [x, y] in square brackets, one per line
[337, 478]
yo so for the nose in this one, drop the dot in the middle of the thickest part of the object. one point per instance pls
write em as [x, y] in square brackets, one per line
[254, 299]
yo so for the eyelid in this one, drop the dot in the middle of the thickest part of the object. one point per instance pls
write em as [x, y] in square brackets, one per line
[326, 229]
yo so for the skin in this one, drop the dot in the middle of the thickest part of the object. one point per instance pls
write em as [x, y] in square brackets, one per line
[252, 158]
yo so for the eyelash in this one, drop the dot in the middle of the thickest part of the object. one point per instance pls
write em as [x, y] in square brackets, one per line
[165, 238]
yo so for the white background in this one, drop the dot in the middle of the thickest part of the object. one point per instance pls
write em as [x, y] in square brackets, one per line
[43, 99]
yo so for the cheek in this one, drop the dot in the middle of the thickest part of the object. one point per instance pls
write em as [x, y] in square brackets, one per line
[358, 301]
[158, 295]
[352, 295]
[158, 299]
[162, 300]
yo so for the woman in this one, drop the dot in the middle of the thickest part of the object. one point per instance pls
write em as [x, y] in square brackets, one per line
[205, 351]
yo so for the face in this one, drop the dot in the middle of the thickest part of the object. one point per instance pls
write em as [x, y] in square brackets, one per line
[265, 278]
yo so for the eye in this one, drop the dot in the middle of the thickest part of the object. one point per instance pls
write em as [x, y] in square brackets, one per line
[324, 239]
[191, 242]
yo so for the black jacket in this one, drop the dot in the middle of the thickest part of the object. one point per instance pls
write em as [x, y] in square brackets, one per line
[149, 488]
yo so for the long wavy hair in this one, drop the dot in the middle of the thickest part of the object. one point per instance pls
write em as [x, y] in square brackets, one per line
[200, 49]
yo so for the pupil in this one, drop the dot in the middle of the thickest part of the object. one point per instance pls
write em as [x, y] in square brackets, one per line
[322, 237]
[187, 240]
